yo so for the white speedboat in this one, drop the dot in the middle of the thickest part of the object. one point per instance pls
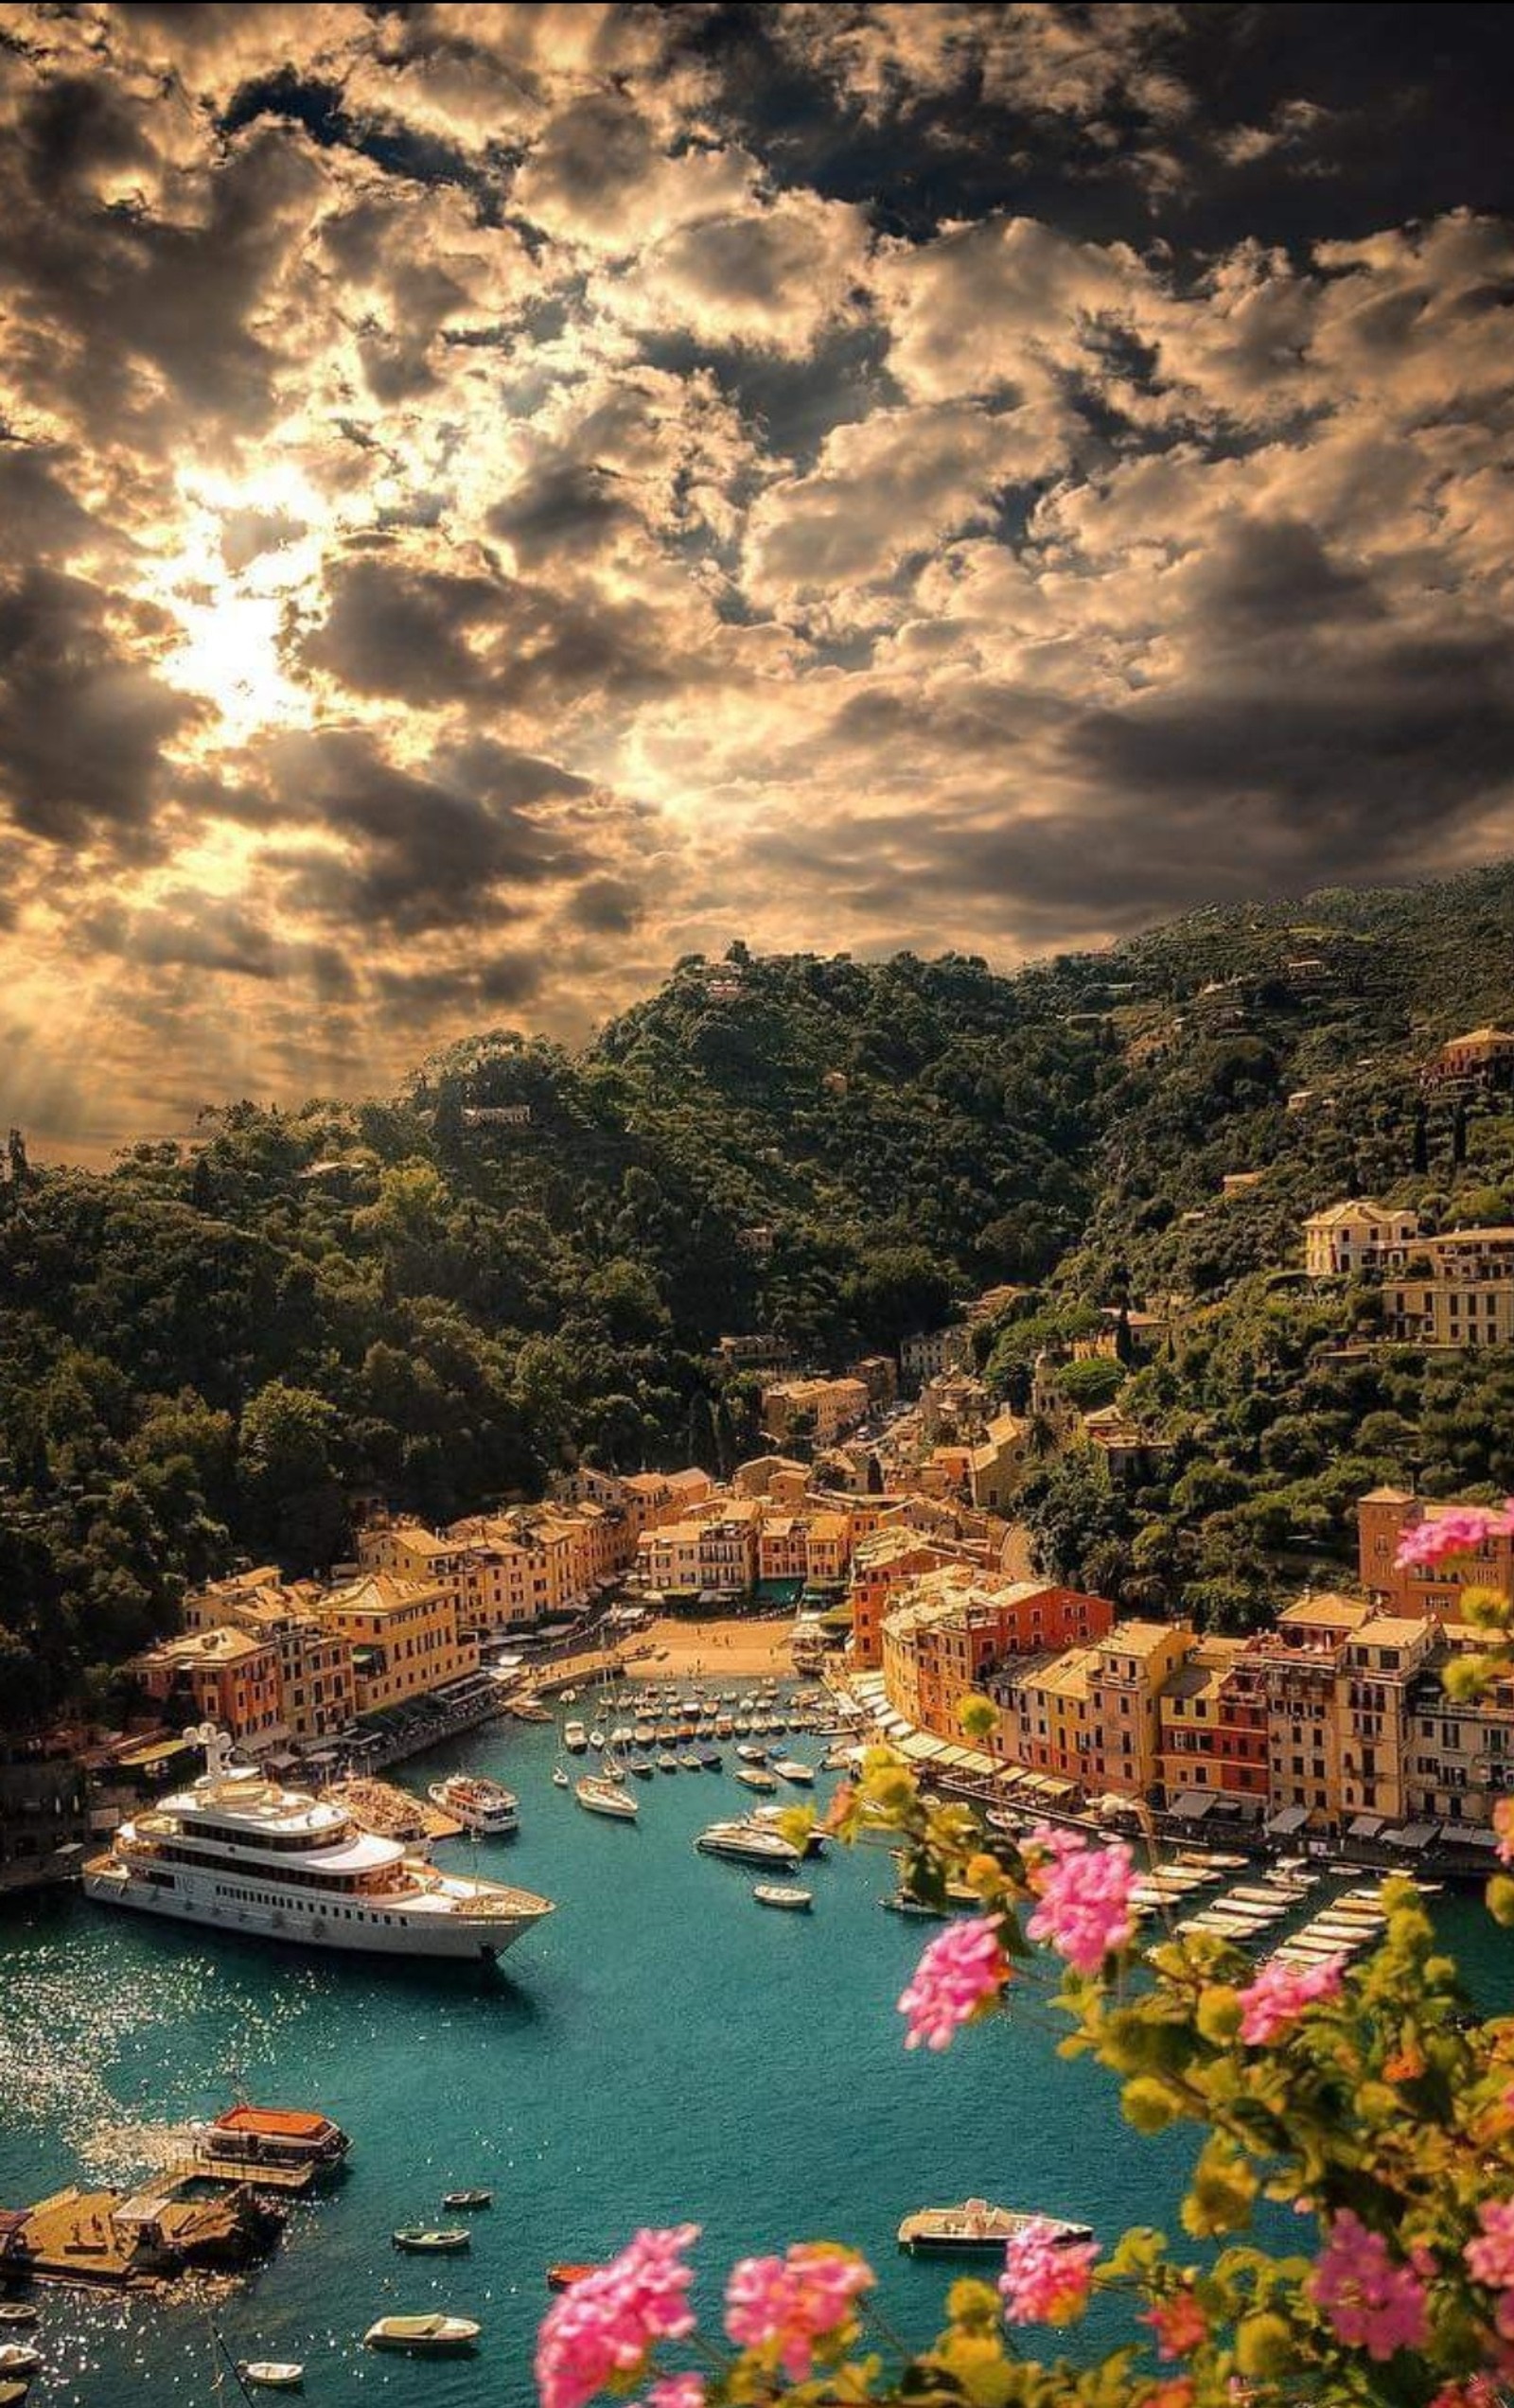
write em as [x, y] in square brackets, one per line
[976, 2227]
[790, 1768]
[431, 2336]
[752, 1779]
[481, 1806]
[560, 1777]
[235, 1852]
[574, 1737]
[745, 1843]
[603, 1798]
[772, 1894]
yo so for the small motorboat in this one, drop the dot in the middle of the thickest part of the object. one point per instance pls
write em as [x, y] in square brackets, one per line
[437, 2240]
[17, 2311]
[641, 1765]
[271, 2374]
[574, 1737]
[901, 1902]
[596, 1738]
[453, 2200]
[18, 2358]
[667, 1762]
[432, 2336]
[768, 1893]
[752, 1755]
[603, 1797]
[755, 1780]
[688, 1760]
[709, 1759]
[791, 1769]
[560, 1777]
[563, 2277]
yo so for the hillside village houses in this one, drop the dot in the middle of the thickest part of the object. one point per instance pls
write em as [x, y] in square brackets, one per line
[819, 1408]
[1334, 1721]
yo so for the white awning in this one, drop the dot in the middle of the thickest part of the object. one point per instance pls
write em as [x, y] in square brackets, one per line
[1364, 1827]
[1284, 1825]
[1416, 1836]
[920, 1748]
[1193, 1804]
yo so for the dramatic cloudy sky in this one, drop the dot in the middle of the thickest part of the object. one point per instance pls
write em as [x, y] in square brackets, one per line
[494, 498]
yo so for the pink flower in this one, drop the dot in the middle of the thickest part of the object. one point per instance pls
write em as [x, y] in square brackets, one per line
[1490, 2257]
[1085, 1904]
[1478, 2391]
[789, 2304]
[1180, 2325]
[1045, 2281]
[1280, 1993]
[1503, 1825]
[676, 2391]
[1451, 1530]
[959, 1976]
[1374, 2301]
[606, 2323]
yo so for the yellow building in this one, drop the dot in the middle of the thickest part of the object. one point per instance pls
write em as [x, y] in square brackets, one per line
[1358, 1235]
[820, 1408]
[1463, 1297]
[1131, 1666]
[403, 1635]
[1379, 1665]
[1460, 1757]
[827, 1549]
[1301, 1656]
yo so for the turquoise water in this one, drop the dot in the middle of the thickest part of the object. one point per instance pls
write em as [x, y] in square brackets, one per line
[661, 2049]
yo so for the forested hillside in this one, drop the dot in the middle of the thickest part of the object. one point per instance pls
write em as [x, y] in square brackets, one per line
[526, 1255]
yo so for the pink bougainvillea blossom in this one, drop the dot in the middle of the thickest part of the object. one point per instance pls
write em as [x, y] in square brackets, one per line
[1374, 2300]
[1086, 1905]
[604, 2326]
[1179, 2323]
[1454, 1530]
[1503, 1825]
[1273, 2002]
[789, 2304]
[676, 2391]
[959, 1978]
[1046, 2281]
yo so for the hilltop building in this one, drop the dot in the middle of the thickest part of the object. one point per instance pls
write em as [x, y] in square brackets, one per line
[1357, 1236]
[1463, 1296]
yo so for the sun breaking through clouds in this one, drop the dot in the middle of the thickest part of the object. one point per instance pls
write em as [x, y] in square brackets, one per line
[498, 497]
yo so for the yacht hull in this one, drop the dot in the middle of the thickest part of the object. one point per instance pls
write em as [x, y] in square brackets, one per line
[370, 1932]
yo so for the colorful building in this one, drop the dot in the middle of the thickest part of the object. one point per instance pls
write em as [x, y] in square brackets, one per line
[403, 1635]
[221, 1676]
[1383, 1516]
[1463, 1296]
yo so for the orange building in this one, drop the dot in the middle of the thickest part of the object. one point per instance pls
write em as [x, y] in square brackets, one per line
[1212, 1723]
[221, 1676]
[1381, 1518]
[956, 1627]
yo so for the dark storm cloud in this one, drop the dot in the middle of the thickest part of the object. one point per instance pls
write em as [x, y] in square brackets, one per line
[82, 723]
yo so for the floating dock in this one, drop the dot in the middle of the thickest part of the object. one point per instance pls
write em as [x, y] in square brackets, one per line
[96, 2239]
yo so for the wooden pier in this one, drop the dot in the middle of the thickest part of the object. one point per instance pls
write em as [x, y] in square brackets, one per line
[96, 2239]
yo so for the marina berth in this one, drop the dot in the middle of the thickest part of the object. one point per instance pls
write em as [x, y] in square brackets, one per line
[975, 2227]
[237, 1853]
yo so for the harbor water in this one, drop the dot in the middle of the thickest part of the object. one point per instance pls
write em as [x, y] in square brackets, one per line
[660, 2050]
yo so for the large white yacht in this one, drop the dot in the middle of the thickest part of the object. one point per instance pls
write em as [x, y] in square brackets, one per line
[235, 1851]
